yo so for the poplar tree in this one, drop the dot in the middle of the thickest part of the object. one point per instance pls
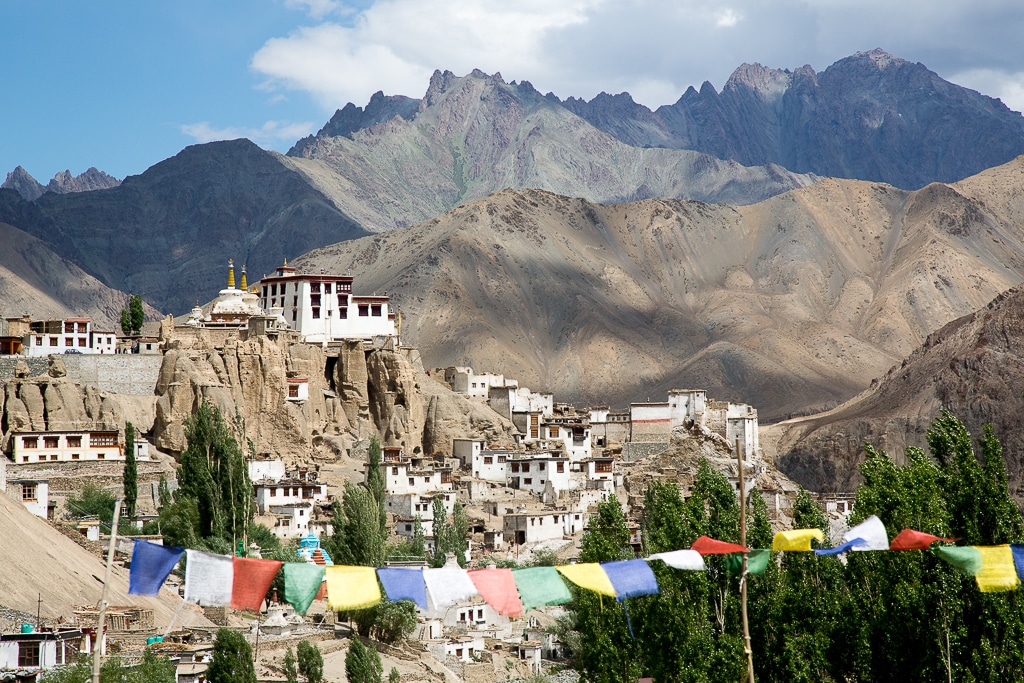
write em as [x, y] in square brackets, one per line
[232, 659]
[311, 662]
[130, 477]
[362, 664]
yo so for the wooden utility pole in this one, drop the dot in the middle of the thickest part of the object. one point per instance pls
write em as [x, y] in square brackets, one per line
[97, 652]
[743, 572]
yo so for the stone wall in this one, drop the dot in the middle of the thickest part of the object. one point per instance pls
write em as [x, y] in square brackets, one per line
[130, 374]
[632, 451]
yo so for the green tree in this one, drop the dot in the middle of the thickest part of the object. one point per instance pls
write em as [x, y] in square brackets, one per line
[133, 316]
[163, 492]
[130, 476]
[232, 659]
[311, 662]
[93, 501]
[291, 673]
[214, 473]
[442, 533]
[394, 676]
[359, 537]
[458, 533]
[387, 621]
[126, 322]
[362, 664]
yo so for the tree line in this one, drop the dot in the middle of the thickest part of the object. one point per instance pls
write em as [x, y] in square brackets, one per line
[875, 616]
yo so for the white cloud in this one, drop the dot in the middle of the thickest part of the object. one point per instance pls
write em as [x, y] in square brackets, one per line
[1007, 86]
[727, 18]
[652, 48]
[270, 134]
[396, 44]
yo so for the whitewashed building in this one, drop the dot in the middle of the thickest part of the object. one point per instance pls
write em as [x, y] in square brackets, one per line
[72, 446]
[403, 477]
[271, 469]
[538, 472]
[34, 494]
[39, 651]
[288, 492]
[547, 525]
[322, 307]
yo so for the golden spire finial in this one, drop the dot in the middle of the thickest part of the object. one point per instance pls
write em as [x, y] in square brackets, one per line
[244, 286]
[231, 273]
[286, 263]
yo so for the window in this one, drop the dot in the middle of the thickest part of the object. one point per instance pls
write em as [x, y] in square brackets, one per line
[69, 341]
[479, 615]
[28, 653]
[314, 287]
[327, 288]
[375, 310]
[394, 470]
[534, 432]
[526, 467]
[74, 441]
[273, 290]
[53, 341]
[412, 481]
[76, 456]
[101, 456]
[293, 315]
[110, 340]
[30, 442]
[364, 310]
[458, 650]
[528, 481]
[488, 460]
[293, 391]
[343, 312]
[103, 439]
[316, 313]
[295, 301]
[603, 466]
[28, 492]
[560, 467]
[69, 327]
[53, 456]
[51, 441]
[265, 291]
[540, 466]
[501, 459]
[39, 341]
[515, 467]
[408, 527]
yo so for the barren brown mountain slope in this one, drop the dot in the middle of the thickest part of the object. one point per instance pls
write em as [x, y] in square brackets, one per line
[37, 562]
[974, 366]
[790, 304]
[35, 280]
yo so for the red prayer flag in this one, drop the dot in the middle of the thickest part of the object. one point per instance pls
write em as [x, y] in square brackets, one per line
[252, 581]
[709, 546]
[498, 588]
[908, 539]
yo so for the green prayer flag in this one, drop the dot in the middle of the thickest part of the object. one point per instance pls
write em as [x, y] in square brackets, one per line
[541, 586]
[757, 561]
[964, 558]
[302, 582]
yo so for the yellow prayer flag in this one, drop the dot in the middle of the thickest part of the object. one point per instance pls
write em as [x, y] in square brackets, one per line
[797, 540]
[997, 570]
[588, 575]
[351, 588]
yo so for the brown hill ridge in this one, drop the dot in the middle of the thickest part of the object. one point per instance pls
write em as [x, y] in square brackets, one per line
[974, 366]
[790, 304]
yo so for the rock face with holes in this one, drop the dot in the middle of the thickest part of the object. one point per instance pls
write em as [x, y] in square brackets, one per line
[351, 393]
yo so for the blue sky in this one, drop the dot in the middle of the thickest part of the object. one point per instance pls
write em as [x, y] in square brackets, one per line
[123, 85]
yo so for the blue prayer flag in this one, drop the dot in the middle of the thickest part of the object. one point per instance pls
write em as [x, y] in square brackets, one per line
[404, 584]
[630, 578]
[151, 563]
[1018, 558]
[842, 548]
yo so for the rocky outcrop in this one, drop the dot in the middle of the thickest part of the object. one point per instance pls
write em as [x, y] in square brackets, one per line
[48, 403]
[354, 393]
[29, 188]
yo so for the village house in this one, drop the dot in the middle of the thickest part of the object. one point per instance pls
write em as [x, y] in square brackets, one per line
[263, 467]
[288, 492]
[608, 427]
[571, 432]
[24, 655]
[465, 381]
[72, 446]
[413, 477]
[599, 472]
[322, 308]
[34, 495]
[292, 520]
[408, 505]
[542, 525]
[536, 472]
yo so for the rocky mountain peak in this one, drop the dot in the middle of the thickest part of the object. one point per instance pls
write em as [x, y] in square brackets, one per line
[22, 182]
[879, 57]
[92, 179]
[769, 83]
